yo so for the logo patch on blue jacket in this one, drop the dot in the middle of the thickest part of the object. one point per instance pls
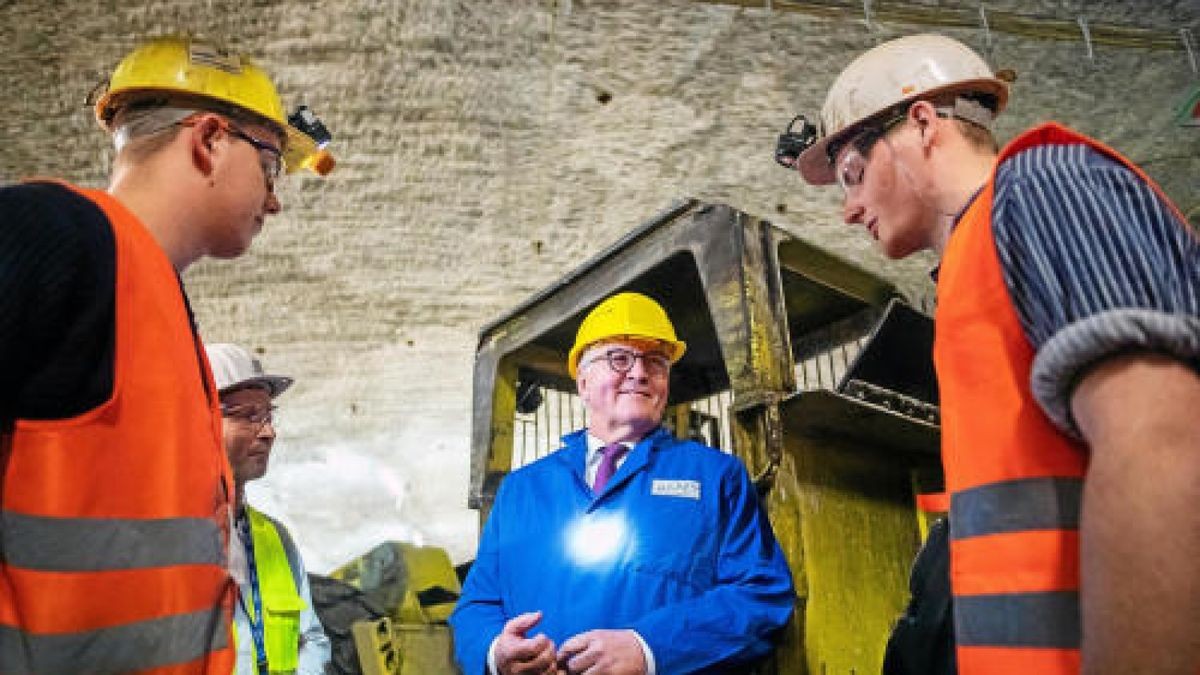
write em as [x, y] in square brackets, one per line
[689, 489]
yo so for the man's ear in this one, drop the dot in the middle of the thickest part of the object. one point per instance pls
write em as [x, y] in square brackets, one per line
[925, 116]
[203, 142]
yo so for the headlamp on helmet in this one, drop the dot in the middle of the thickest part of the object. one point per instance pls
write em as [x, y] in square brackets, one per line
[304, 120]
[307, 138]
[916, 67]
[792, 143]
[174, 70]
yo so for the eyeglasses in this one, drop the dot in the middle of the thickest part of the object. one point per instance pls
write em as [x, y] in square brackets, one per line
[250, 414]
[855, 153]
[851, 169]
[273, 166]
[622, 360]
[270, 157]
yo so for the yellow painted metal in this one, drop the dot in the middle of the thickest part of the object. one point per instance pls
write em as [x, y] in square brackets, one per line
[425, 649]
[428, 567]
[394, 574]
[504, 405]
[378, 652]
[838, 475]
[843, 512]
[859, 535]
[676, 417]
[782, 503]
[389, 648]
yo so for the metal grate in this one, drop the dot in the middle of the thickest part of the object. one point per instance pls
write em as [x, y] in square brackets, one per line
[539, 433]
[826, 369]
[709, 421]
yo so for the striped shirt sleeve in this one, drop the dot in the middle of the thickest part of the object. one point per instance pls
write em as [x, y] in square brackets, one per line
[1096, 264]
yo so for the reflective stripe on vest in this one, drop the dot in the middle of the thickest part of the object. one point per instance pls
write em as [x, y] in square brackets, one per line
[96, 544]
[281, 599]
[180, 638]
[1042, 503]
[116, 522]
[1019, 620]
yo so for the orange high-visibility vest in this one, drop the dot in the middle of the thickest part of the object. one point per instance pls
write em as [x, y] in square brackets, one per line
[115, 523]
[1016, 482]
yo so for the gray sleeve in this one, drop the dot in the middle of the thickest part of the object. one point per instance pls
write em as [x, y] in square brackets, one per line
[1096, 263]
[315, 650]
[1066, 356]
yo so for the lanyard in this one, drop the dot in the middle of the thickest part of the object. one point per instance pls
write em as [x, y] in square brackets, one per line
[255, 621]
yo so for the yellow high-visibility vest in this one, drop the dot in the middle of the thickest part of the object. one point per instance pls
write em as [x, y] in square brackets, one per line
[281, 599]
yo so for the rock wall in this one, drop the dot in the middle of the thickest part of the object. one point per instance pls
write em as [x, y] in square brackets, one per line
[485, 149]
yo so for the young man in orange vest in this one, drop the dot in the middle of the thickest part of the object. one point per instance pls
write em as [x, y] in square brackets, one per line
[115, 505]
[1067, 350]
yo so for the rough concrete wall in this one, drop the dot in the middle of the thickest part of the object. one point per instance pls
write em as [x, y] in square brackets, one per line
[486, 148]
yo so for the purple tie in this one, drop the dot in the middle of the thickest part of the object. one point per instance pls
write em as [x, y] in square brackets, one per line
[608, 465]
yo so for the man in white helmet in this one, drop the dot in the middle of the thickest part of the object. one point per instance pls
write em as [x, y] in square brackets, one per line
[277, 628]
[1067, 351]
[116, 502]
[628, 551]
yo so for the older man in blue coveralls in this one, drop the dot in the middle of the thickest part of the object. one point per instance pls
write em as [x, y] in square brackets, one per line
[627, 551]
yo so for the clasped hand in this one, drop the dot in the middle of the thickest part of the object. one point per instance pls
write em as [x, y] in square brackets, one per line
[595, 652]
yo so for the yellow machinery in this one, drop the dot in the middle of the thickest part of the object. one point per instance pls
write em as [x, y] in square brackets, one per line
[802, 364]
[417, 588]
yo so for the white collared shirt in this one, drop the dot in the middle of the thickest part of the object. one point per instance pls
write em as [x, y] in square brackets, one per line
[592, 464]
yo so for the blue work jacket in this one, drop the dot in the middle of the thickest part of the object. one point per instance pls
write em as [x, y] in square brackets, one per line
[676, 548]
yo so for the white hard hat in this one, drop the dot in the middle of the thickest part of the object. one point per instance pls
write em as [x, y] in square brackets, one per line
[880, 81]
[234, 368]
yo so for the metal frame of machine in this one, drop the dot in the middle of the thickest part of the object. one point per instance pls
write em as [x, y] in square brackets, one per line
[838, 465]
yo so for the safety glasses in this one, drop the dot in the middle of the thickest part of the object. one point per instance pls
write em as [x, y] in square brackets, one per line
[249, 414]
[621, 361]
[852, 157]
[270, 157]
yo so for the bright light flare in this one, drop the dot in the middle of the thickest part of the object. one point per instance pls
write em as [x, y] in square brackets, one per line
[597, 539]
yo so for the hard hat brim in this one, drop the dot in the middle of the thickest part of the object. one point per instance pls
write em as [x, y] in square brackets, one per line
[815, 165]
[204, 76]
[300, 151]
[678, 348]
[274, 384]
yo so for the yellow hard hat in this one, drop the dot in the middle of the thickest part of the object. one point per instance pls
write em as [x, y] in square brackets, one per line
[630, 315]
[191, 68]
[892, 74]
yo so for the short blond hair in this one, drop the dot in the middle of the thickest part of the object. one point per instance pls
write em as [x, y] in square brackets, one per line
[140, 132]
[142, 128]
